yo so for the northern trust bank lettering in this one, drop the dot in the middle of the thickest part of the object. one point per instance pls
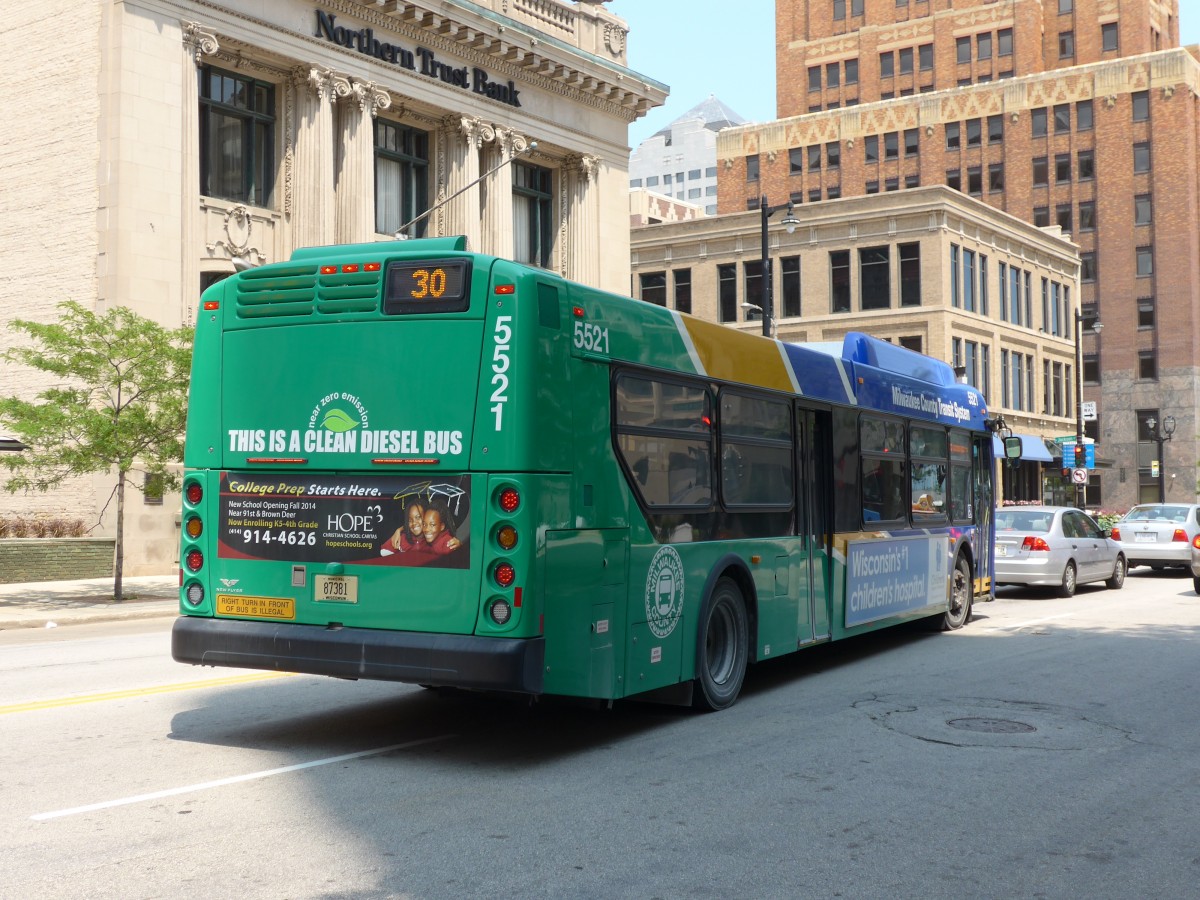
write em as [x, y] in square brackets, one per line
[418, 60]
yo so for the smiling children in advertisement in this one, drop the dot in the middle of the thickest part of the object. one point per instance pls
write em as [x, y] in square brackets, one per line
[363, 520]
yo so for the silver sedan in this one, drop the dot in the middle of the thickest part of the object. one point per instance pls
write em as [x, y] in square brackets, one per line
[1055, 546]
[1158, 534]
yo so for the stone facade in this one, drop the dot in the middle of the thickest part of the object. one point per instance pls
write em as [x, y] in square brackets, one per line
[103, 201]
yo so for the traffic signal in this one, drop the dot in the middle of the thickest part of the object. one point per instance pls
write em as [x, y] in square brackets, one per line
[1080, 456]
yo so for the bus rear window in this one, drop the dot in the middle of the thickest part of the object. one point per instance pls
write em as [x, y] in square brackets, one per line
[427, 286]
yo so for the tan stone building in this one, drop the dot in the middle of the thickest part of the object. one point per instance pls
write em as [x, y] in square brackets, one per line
[1083, 114]
[920, 268]
[184, 134]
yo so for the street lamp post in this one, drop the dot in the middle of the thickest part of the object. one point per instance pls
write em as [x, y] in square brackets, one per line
[1079, 448]
[1161, 433]
[789, 222]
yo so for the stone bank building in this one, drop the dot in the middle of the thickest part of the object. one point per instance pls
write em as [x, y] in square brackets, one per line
[175, 137]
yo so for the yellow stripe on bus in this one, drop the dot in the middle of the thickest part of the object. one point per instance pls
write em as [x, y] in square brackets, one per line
[731, 355]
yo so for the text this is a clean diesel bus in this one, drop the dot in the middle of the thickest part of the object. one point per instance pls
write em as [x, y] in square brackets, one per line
[407, 461]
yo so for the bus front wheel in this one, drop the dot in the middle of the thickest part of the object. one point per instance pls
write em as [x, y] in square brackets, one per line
[723, 648]
[962, 591]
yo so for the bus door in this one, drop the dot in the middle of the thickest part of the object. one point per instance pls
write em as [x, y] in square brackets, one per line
[983, 468]
[814, 465]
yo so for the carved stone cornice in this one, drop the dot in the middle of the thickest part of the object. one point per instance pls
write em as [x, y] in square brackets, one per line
[474, 130]
[367, 94]
[198, 42]
[510, 142]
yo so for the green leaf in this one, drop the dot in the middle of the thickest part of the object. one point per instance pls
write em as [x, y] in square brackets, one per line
[338, 421]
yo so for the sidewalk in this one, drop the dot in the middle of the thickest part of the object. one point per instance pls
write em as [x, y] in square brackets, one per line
[48, 604]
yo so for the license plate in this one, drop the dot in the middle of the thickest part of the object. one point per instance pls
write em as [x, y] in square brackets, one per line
[1002, 549]
[336, 588]
[1145, 538]
[256, 607]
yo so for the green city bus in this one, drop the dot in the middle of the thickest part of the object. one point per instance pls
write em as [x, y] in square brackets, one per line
[410, 462]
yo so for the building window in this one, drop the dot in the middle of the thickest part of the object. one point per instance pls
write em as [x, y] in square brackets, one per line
[789, 286]
[1141, 210]
[401, 178]
[952, 136]
[887, 64]
[974, 132]
[814, 158]
[1141, 106]
[1004, 44]
[237, 137]
[995, 177]
[1083, 115]
[1065, 6]
[839, 10]
[1041, 172]
[1087, 215]
[651, 181]
[533, 231]
[955, 277]
[925, 57]
[1141, 158]
[1038, 118]
[814, 78]
[871, 187]
[995, 127]
[1145, 312]
[1085, 165]
[152, 489]
[1062, 217]
[906, 61]
[1145, 262]
[832, 71]
[1062, 168]
[1066, 44]
[912, 180]
[1087, 266]
[983, 285]
[834, 191]
[851, 71]
[727, 291]
[1062, 118]
[954, 179]
[963, 47]
[975, 181]
[871, 148]
[983, 45]
[1148, 365]
[654, 287]
[856, 7]
[1041, 216]
[683, 290]
[891, 184]
[968, 280]
[1108, 36]
[839, 280]
[833, 154]
[891, 145]
[910, 274]
[795, 160]
[752, 168]
[752, 273]
[873, 276]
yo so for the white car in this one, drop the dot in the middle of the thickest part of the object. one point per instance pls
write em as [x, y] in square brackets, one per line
[1158, 534]
[1055, 546]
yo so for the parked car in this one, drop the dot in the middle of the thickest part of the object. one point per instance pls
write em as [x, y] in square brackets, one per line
[1055, 546]
[1196, 564]
[1158, 534]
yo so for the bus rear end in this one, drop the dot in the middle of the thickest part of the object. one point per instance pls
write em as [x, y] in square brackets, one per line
[355, 502]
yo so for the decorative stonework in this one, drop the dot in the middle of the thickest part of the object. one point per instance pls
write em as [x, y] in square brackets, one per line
[614, 38]
[367, 94]
[199, 43]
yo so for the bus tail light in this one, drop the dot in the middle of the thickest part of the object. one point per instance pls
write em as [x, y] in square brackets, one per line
[195, 594]
[195, 493]
[1035, 543]
[194, 527]
[195, 559]
[505, 574]
[1179, 535]
[500, 611]
[510, 499]
[506, 537]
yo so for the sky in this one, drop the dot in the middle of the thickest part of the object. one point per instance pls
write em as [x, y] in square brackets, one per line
[680, 43]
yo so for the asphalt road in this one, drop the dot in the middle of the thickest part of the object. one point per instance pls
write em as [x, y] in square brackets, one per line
[1048, 749]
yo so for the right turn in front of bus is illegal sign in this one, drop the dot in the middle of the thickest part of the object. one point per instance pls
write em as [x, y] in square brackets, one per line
[349, 519]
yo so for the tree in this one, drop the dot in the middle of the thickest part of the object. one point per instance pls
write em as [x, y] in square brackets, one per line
[116, 399]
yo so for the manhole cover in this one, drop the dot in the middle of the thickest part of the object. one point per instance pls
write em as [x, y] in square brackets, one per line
[991, 726]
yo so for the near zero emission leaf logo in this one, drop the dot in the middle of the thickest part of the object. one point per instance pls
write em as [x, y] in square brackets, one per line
[338, 420]
[664, 592]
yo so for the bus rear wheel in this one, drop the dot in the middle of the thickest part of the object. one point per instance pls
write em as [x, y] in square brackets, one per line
[962, 593]
[723, 648]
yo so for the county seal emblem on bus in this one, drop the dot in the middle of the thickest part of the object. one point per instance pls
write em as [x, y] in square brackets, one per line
[664, 592]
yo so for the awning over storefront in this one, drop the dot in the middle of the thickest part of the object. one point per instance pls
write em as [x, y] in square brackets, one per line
[1032, 448]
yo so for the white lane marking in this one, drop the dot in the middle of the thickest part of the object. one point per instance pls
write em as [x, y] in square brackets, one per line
[222, 782]
[1029, 622]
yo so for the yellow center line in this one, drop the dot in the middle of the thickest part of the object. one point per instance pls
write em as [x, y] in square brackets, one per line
[139, 692]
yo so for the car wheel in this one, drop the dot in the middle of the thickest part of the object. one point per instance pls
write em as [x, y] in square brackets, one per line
[1117, 581]
[1196, 583]
[724, 648]
[1069, 579]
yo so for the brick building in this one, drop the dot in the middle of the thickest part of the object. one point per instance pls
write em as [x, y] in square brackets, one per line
[1030, 106]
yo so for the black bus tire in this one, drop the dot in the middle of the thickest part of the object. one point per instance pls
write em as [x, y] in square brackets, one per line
[723, 647]
[962, 595]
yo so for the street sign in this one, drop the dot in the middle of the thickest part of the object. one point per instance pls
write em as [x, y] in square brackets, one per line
[1088, 409]
[1154, 468]
[1079, 476]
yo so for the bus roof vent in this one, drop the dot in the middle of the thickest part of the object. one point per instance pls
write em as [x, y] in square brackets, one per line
[347, 292]
[276, 291]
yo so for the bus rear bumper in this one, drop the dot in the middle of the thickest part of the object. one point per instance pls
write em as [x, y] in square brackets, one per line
[453, 660]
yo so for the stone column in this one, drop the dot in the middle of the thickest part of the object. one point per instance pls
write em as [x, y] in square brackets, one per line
[355, 190]
[313, 207]
[197, 43]
[463, 137]
[583, 259]
[497, 192]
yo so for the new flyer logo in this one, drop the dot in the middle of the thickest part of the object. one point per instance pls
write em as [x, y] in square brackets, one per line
[664, 592]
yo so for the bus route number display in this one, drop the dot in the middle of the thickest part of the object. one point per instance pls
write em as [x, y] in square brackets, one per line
[428, 285]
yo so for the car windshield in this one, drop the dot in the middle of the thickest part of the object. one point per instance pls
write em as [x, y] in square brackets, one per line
[1158, 512]
[1036, 520]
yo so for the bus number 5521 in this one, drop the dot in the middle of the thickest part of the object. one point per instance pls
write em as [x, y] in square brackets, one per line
[503, 337]
[591, 337]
